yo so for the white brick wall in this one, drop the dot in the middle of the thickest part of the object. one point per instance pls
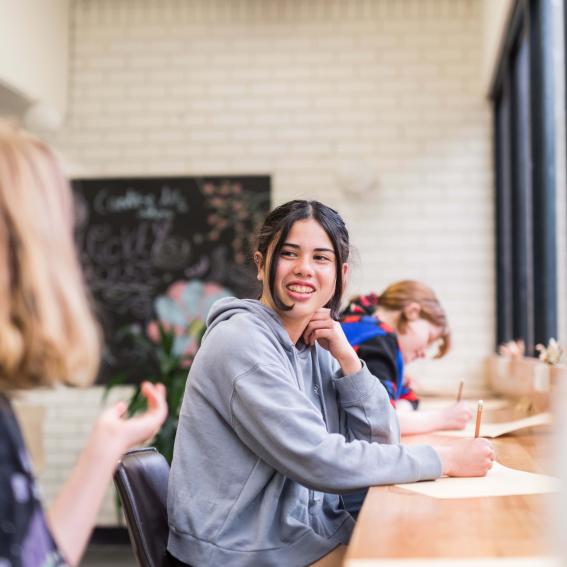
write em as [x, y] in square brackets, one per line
[303, 90]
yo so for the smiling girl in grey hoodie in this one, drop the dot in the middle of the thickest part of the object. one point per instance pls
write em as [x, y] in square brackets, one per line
[280, 415]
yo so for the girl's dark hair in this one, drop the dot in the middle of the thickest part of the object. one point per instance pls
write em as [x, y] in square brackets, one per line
[275, 229]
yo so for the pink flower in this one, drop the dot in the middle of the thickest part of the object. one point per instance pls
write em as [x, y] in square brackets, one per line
[152, 330]
[175, 290]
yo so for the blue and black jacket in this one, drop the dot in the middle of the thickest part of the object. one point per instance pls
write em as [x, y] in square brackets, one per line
[377, 344]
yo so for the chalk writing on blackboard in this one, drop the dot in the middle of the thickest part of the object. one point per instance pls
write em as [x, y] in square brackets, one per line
[137, 236]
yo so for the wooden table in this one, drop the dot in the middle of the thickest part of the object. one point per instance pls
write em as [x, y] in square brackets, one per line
[398, 527]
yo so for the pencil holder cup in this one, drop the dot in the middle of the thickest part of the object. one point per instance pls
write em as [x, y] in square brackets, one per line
[519, 377]
[548, 381]
[530, 377]
[498, 374]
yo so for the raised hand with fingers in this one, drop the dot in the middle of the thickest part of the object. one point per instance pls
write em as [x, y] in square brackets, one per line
[73, 513]
[328, 333]
[129, 432]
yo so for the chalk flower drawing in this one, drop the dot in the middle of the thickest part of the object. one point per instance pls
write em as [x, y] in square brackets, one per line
[184, 305]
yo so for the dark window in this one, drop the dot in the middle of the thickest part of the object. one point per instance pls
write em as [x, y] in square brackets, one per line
[525, 179]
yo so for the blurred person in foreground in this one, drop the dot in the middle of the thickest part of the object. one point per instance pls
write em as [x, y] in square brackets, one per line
[48, 336]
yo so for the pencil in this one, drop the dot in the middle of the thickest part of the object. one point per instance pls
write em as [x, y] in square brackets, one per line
[460, 394]
[478, 418]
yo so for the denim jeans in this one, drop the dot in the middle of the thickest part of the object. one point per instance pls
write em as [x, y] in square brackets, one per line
[353, 501]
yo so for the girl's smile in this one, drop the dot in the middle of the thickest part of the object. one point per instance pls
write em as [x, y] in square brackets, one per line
[300, 291]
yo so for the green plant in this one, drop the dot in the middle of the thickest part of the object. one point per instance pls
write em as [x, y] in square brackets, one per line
[163, 363]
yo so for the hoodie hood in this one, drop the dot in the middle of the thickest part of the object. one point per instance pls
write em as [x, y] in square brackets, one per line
[228, 307]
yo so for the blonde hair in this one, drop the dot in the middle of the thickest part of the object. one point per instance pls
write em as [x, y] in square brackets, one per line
[399, 295]
[47, 330]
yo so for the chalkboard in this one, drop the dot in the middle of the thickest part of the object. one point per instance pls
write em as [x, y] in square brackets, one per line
[139, 236]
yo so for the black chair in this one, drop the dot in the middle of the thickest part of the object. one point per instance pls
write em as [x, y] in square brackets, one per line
[141, 480]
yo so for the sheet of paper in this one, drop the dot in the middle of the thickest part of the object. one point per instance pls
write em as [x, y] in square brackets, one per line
[497, 429]
[429, 404]
[458, 562]
[500, 481]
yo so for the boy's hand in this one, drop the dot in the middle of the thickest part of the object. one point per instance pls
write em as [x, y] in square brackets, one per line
[455, 416]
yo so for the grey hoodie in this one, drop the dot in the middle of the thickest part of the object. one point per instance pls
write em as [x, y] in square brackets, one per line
[269, 433]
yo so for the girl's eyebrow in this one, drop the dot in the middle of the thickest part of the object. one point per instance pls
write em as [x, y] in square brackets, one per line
[297, 247]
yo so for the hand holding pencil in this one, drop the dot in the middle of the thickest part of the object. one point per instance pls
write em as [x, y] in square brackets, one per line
[468, 457]
[457, 415]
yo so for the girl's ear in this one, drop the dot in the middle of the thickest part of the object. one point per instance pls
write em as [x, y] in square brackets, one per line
[345, 271]
[260, 265]
[412, 311]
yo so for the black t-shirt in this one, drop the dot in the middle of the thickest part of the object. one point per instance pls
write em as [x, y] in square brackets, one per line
[25, 539]
[380, 357]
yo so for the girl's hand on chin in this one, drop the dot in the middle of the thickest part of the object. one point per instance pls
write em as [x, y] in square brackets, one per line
[330, 335]
[326, 331]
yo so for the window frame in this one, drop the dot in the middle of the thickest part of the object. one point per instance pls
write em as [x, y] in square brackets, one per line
[525, 178]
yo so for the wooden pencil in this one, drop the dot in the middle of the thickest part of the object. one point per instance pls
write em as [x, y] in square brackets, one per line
[460, 393]
[478, 418]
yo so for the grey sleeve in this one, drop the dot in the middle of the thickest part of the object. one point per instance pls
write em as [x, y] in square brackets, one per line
[277, 422]
[367, 411]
